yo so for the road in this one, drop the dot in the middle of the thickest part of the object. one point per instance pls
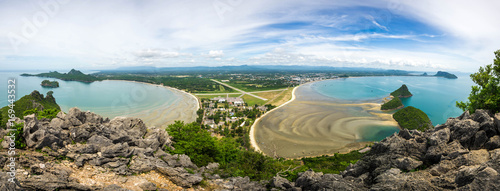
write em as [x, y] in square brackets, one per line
[243, 92]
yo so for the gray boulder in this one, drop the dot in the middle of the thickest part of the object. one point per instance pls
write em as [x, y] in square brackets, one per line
[99, 141]
[281, 183]
[117, 150]
[180, 176]
[464, 131]
[493, 143]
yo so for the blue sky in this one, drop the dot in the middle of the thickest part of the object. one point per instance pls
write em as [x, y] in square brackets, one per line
[422, 35]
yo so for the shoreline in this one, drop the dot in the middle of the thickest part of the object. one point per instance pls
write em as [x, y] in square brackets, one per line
[167, 87]
[175, 91]
[370, 106]
[253, 143]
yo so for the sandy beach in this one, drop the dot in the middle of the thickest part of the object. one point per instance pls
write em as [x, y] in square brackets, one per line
[252, 129]
[313, 125]
[183, 108]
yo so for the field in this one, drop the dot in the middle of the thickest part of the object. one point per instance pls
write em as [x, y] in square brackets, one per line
[282, 98]
[251, 101]
[210, 96]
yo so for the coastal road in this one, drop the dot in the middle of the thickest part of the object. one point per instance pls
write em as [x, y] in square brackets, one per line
[243, 92]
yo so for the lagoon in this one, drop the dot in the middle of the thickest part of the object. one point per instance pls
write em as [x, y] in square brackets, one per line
[341, 115]
[156, 105]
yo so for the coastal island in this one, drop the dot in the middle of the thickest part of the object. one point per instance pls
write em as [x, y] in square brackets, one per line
[402, 92]
[446, 75]
[50, 84]
[412, 118]
[396, 103]
[73, 75]
[393, 104]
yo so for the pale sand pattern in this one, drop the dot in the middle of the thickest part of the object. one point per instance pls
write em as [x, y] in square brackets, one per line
[252, 129]
[313, 125]
[182, 109]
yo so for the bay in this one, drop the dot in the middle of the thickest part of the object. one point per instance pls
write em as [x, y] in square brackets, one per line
[156, 105]
[434, 96]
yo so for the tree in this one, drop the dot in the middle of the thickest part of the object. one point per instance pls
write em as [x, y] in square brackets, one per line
[486, 95]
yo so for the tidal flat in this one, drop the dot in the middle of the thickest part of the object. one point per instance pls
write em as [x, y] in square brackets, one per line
[314, 124]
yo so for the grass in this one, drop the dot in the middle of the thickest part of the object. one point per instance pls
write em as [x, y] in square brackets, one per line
[268, 95]
[213, 96]
[282, 98]
[251, 101]
[251, 87]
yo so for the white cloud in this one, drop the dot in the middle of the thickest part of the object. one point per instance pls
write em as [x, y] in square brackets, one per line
[215, 53]
[108, 34]
[149, 53]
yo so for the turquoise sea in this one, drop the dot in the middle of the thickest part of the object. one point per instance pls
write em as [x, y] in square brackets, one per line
[435, 96]
[107, 98]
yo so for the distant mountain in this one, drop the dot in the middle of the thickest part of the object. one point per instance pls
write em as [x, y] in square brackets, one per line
[253, 68]
[73, 75]
[446, 75]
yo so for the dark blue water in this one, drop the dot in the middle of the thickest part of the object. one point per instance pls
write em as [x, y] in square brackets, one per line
[435, 96]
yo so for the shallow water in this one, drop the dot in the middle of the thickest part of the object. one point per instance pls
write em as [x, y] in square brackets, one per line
[156, 105]
[344, 114]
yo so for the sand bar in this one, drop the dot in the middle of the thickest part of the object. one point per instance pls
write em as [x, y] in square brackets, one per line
[311, 125]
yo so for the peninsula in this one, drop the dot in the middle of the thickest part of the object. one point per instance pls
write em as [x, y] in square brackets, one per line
[446, 75]
[73, 75]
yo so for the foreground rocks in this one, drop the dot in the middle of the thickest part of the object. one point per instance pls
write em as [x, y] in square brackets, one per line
[122, 146]
[83, 151]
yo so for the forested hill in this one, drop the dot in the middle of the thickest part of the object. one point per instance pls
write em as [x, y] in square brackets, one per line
[73, 75]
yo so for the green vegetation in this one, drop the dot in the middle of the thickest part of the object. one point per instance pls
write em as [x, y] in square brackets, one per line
[402, 92]
[201, 96]
[412, 118]
[237, 160]
[50, 84]
[251, 101]
[446, 75]
[395, 103]
[73, 75]
[486, 95]
[32, 103]
[189, 84]
[18, 134]
[258, 85]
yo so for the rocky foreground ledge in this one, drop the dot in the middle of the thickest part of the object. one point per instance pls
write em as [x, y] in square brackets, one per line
[83, 151]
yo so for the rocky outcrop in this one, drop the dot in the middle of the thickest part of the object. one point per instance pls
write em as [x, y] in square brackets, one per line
[462, 154]
[123, 146]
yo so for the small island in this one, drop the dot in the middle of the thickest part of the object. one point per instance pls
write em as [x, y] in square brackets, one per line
[412, 118]
[402, 92]
[446, 75]
[395, 102]
[73, 75]
[50, 84]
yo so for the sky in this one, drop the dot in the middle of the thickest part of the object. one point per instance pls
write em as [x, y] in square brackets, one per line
[424, 35]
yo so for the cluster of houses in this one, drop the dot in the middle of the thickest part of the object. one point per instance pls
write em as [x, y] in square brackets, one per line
[217, 104]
